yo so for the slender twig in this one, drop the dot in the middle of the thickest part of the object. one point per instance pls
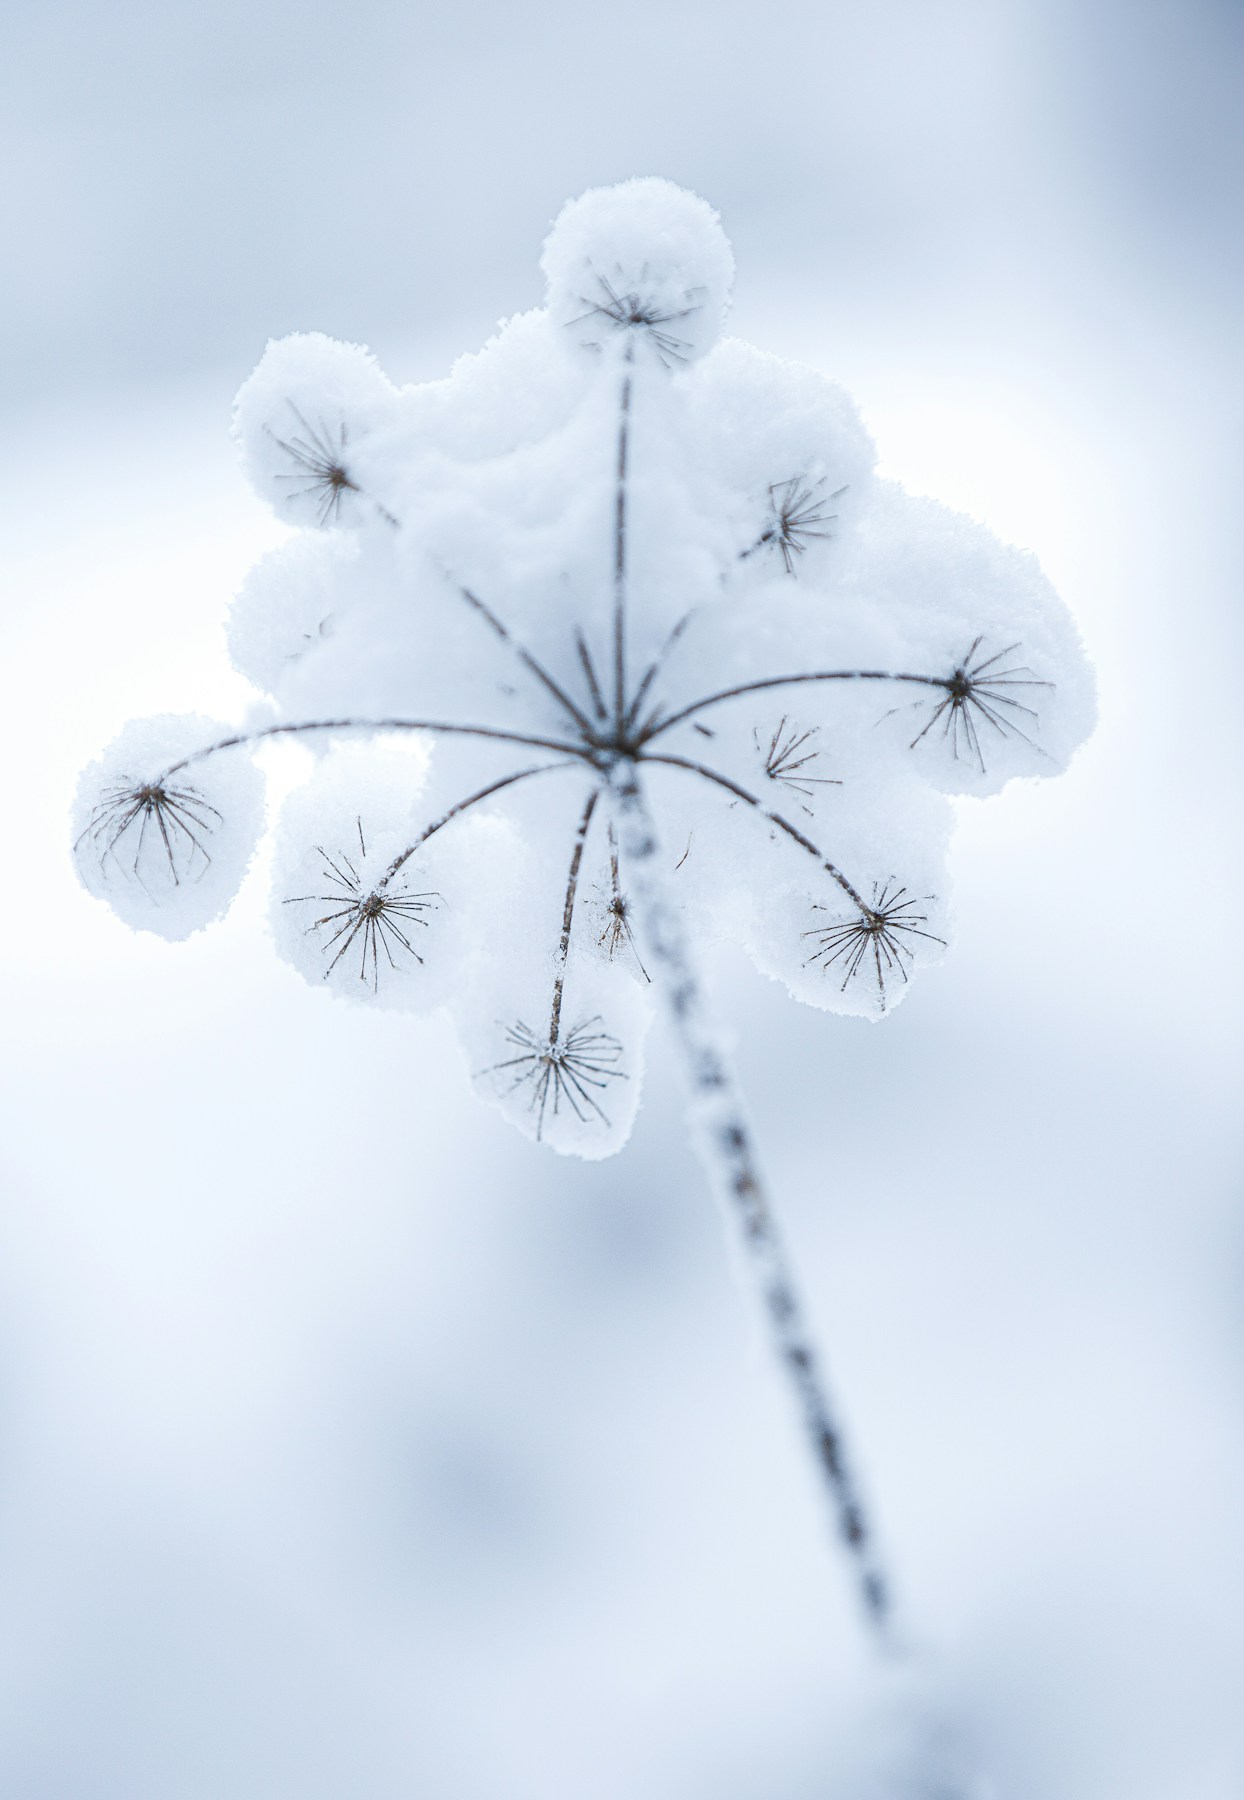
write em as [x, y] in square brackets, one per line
[774, 818]
[572, 888]
[564, 1067]
[657, 726]
[458, 809]
[589, 669]
[619, 543]
[655, 667]
[617, 912]
[525, 656]
[374, 725]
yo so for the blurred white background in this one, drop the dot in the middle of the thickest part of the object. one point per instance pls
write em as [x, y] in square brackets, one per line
[351, 1446]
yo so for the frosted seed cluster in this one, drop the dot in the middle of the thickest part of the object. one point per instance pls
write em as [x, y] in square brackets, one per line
[611, 543]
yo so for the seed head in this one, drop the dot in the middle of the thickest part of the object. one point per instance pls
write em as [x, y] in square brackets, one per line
[876, 941]
[173, 820]
[570, 1069]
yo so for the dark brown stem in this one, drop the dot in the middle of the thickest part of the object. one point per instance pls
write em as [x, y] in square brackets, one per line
[572, 887]
[374, 725]
[456, 811]
[619, 544]
[589, 669]
[792, 831]
[524, 656]
[650, 675]
[774, 681]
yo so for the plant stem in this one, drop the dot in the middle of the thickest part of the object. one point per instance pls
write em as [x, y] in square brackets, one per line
[725, 1147]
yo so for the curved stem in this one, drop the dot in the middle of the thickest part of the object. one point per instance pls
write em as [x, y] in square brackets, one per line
[430, 725]
[654, 668]
[775, 681]
[454, 812]
[529, 662]
[729, 1160]
[589, 669]
[792, 831]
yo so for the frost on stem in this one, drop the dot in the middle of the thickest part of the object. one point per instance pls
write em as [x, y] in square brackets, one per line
[617, 936]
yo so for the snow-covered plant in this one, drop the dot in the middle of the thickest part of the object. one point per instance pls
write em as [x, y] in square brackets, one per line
[609, 643]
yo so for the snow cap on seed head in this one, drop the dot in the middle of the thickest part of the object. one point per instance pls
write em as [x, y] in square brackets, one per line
[299, 419]
[645, 257]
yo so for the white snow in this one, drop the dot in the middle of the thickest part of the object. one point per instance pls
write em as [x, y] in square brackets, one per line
[467, 550]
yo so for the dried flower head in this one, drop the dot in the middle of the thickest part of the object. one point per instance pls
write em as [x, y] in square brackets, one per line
[318, 453]
[542, 580]
[563, 1072]
[800, 511]
[579, 578]
[152, 827]
[645, 319]
[369, 918]
[875, 941]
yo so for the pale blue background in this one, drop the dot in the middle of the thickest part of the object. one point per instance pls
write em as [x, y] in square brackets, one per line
[349, 1446]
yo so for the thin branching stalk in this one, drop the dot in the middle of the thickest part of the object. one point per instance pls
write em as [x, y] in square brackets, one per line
[243, 738]
[593, 681]
[725, 1146]
[572, 889]
[775, 818]
[525, 656]
[654, 669]
[564, 1068]
[656, 727]
[463, 806]
[618, 930]
[619, 541]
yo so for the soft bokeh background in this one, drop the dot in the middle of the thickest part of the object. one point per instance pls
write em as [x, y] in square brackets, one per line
[348, 1444]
